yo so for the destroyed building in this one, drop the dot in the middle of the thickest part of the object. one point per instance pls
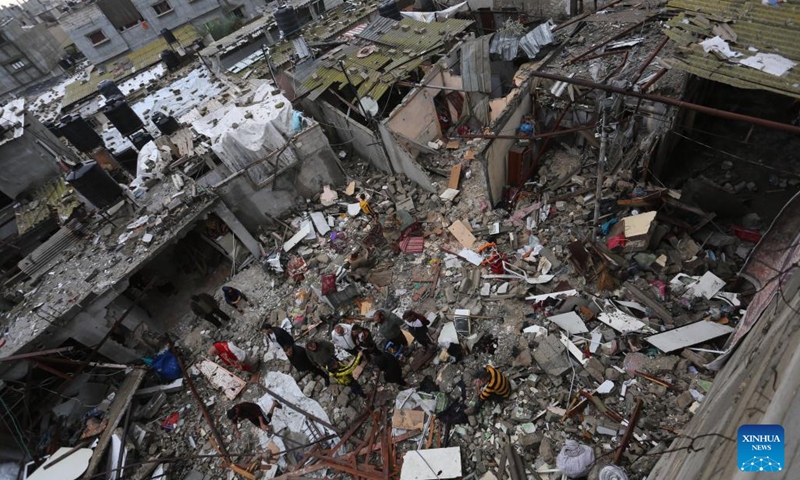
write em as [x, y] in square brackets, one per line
[600, 206]
[29, 55]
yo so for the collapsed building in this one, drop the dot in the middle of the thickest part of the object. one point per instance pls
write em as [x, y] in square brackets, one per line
[561, 199]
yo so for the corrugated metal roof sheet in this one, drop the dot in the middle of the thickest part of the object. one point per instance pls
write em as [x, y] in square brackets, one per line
[397, 47]
[476, 73]
[764, 28]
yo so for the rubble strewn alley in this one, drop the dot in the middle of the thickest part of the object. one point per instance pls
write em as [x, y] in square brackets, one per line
[377, 240]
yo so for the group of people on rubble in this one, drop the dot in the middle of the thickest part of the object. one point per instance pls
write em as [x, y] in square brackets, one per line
[318, 357]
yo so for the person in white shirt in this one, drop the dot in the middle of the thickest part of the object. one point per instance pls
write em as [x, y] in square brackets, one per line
[342, 337]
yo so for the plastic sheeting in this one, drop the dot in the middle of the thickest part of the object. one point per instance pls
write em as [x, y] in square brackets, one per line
[242, 136]
[575, 459]
[429, 17]
[613, 472]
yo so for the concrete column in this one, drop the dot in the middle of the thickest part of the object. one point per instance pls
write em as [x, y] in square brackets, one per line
[237, 228]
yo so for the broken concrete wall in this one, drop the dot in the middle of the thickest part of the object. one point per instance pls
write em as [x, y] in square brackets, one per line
[494, 155]
[416, 118]
[255, 206]
[401, 156]
[353, 137]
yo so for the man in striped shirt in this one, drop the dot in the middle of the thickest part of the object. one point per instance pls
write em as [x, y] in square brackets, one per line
[492, 385]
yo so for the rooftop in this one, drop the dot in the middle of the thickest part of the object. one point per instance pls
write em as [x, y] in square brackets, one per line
[762, 43]
[125, 66]
[96, 259]
[12, 120]
[387, 50]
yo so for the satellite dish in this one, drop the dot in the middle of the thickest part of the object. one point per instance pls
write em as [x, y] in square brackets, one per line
[369, 106]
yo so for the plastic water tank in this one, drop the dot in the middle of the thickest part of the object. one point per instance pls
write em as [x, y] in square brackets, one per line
[109, 89]
[170, 59]
[166, 124]
[79, 133]
[140, 139]
[167, 34]
[389, 10]
[91, 181]
[122, 116]
[286, 18]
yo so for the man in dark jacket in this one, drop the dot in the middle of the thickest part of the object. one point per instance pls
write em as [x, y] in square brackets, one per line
[204, 306]
[418, 326]
[391, 368]
[298, 357]
[251, 411]
[320, 352]
[278, 335]
[390, 327]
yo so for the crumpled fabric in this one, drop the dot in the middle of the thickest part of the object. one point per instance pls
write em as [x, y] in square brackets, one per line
[613, 472]
[575, 460]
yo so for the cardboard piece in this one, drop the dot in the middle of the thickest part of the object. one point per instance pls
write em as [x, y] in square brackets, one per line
[462, 234]
[351, 189]
[455, 177]
[406, 419]
[469, 155]
[688, 335]
[453, 144]
[449, 194]
[571, 322]
[637, 229]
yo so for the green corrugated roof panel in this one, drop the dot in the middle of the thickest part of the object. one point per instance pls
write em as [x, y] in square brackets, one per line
[764, 28]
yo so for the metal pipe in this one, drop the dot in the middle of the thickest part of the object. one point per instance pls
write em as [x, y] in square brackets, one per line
[649, 60]
[671, 101]
[626, 437]
[600, 161]
[581, 17]
[607, 41]
[302, 412]
[40, 353]
[530, 137]
[207, 416]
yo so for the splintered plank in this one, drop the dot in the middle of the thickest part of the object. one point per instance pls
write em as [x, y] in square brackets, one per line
[222, 379]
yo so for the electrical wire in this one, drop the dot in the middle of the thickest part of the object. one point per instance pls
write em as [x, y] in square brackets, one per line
[16, 427]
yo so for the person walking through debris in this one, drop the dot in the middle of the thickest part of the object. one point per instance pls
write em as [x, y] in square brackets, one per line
[298, 357]
[320, 352]
[342, 336]
[492, 385]
[366, 208]
[251, 411]
[391, 368]
[418, 326]
[234, 298]
[390, 327]
[363, 339]
[233, 356]
[204, 306]
[343, 374]
[278, 335]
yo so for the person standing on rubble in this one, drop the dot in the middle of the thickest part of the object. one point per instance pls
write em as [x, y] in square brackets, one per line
[277, 335]
[233, 356]
[492, 385]
[251, 411]
[390, 366]
[204, 306]
[235, 298]
[343, 374]
[366, 208]
[320, 352]
[418, 326]
[298, 357]
[390, 327]
[342, 336]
